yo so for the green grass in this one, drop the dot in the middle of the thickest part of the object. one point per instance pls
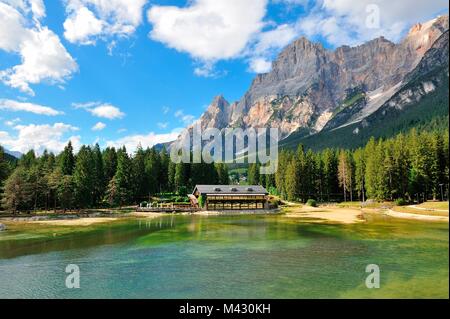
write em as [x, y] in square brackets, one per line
[411, 210]
[349, 102]
[435, 205]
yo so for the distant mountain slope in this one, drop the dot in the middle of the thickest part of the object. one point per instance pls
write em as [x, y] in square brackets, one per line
[422, 101]
[8, 156]
[14, 154]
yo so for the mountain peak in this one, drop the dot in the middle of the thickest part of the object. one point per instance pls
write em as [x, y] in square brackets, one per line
[220, 101]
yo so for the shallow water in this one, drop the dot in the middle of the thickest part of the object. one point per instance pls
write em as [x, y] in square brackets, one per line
[227, 257]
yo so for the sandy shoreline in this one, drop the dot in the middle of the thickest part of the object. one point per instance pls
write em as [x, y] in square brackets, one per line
[75, 222]
[146, 215]
[395, 214]
[321, 214]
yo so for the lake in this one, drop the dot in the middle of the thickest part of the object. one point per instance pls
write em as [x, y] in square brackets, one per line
[227, 257]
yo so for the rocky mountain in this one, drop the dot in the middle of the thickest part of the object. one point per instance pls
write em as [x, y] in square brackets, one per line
[312, 89]
[421, 101]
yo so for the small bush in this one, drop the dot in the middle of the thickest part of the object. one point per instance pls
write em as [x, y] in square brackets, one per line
[274, 203]
[201, 201]
[182, 191]
[400, 202]
[311, 202]
[144, 204]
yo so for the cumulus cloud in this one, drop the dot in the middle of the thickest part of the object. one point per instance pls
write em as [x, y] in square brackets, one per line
[103, 110]
[260, 65]
[43, 57]
[208, 30]
[40, 137]
[99, 126]
[131, 142]
[90, 20]
[268, 44]
[186, 119]
[15, 106]
[353, 22]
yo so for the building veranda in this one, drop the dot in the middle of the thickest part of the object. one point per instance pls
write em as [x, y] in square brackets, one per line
[230, 197]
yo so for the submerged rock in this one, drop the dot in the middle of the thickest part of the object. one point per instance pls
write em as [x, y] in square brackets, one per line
[2, 227]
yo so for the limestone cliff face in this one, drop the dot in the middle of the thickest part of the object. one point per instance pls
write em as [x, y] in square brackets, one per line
[309, 85]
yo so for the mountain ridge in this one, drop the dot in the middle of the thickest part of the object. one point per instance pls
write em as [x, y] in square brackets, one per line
[311, 88]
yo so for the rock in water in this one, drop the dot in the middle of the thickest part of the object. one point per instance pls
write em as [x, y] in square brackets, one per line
[2, 227]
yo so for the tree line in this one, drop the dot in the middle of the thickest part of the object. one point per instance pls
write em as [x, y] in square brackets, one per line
[412, 166]
[95, 178]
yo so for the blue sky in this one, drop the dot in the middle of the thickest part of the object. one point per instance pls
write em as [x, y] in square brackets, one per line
[136, 71]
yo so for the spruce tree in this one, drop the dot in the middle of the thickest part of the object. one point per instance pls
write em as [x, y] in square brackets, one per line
[67, 160]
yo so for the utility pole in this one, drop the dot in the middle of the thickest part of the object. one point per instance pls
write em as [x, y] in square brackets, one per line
[442, 192]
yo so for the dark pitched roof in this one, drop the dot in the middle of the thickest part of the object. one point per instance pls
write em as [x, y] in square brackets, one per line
[230, 189]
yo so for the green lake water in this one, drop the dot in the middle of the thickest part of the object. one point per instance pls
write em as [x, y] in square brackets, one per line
[227, 257]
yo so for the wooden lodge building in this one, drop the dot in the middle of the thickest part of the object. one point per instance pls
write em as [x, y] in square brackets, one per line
[230, 197]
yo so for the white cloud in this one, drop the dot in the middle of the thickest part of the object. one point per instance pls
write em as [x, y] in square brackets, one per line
[99, 126]
[102, 110]
[43, 57]
[186, 119]
[344, 21]
[165, 109]
[260, 65]
[208, 30]
[81, 26]
[90, 20]
[163, 125]
[131, 142]
[12, 122]
[107, 111]
[267, 45]
[40, 137]
[15, 106]
[276, 38]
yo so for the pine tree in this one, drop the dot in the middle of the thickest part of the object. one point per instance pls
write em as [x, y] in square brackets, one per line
[360, 168]
[67, 160]
[110, 163]
[222, 174]
[180, 178]
[99, 174]
[83, 178]
[4, 169]
[253, 174]
[330, 172]
[292, 180]
[164, 169]
[438, 177]
[122, 179]
[152, 171]
[16, 193]
[140, 180]
[65, 192]
[171, 176]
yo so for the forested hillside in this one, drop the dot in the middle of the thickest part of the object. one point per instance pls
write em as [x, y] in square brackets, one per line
[94, 178]
[412, 166]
